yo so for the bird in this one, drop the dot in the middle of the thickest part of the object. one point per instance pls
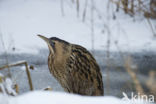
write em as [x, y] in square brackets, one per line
[74, 67]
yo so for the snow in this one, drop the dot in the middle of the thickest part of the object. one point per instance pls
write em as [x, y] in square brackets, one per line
[22, 20]
[3, 99]
[46, 97]
[8, 85]
[1, 75]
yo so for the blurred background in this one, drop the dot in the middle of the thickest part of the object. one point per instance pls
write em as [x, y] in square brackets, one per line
[121, 34]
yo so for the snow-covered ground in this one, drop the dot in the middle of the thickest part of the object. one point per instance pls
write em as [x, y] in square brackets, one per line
[53, 97]
[22, 20]
[42, 97]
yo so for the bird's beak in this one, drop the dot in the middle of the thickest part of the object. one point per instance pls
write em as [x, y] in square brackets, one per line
[44, 38]
[47, 40]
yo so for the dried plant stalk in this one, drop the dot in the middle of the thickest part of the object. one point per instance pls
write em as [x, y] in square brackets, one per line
[139, 7]
[62, 8]
[27, 71]
[125, 5]
[48, 89]
[85, 10]
[133, 76]
[72, 1]
[151, 82]
[77, 7]
[152, 28]
[92, 25]
[6, 55]
[29, 76]
[16, 88]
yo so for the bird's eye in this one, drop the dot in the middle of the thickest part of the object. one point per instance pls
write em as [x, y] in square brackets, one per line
[53, 44]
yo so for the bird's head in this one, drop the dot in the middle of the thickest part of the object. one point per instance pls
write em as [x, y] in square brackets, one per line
[56, 45]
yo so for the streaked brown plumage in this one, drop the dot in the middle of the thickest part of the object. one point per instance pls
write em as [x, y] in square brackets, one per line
[74, 67]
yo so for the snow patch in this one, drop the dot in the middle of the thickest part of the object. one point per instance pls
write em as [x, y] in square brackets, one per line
[22, 20]
[47, 97]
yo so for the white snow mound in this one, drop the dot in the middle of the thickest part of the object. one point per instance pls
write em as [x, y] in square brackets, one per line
[46, 97]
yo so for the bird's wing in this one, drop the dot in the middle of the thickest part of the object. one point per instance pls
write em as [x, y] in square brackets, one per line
[83, 72]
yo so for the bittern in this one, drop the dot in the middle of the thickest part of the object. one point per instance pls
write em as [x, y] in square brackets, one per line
[74, 67]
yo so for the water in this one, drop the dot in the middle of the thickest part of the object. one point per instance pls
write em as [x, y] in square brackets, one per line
[119, 80]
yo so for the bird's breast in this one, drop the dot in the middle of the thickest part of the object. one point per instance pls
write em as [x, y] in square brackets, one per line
[56, 67]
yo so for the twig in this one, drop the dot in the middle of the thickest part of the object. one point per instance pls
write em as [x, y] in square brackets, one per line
[6, 56]
[77, 7]
[27, 71]
[84, 12]
[92, 25]
[62, 8]
[128, 68]
[17, 88]
[150, 24]
[107, 27]
[29, 76]
[133, 76]
[151, 82]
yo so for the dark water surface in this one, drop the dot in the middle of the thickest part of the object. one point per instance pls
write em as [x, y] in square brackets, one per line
[116, 80]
